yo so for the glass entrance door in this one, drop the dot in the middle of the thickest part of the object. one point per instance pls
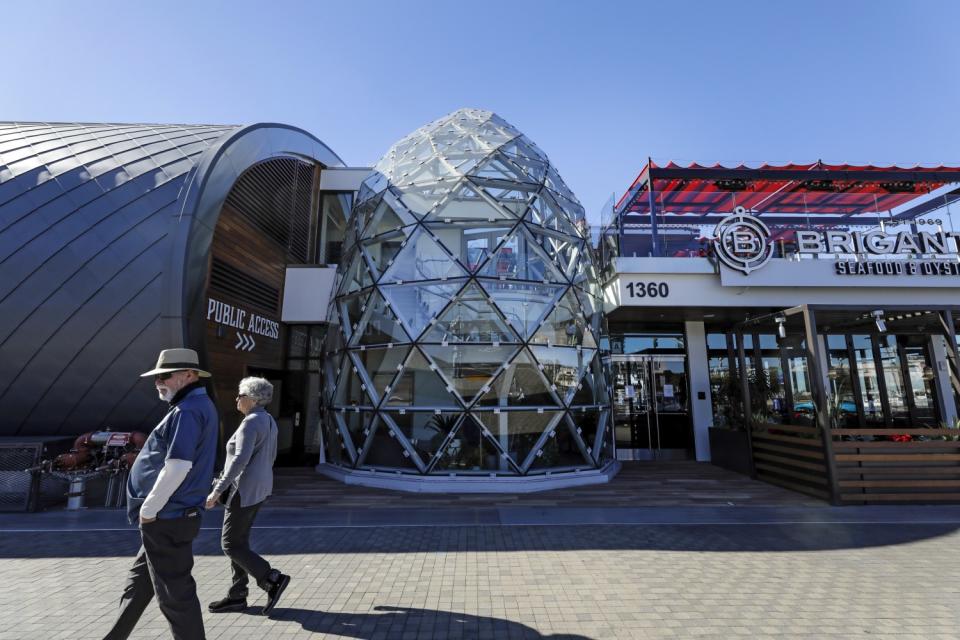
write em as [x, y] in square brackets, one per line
[651, 407]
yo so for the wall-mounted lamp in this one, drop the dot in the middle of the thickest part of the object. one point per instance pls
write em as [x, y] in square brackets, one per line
[878, 318]
[781, 326]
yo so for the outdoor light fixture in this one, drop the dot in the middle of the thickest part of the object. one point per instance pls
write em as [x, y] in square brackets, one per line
[878, 318]
[781, 326]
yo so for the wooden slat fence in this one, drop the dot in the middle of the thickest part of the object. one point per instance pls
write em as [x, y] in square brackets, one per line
[871, 467]
[791, 457]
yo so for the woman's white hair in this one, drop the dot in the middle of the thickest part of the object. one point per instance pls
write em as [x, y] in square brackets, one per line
[259, 389]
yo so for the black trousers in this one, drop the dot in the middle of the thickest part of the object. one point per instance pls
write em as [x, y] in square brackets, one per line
[235, 542]
[163, 568]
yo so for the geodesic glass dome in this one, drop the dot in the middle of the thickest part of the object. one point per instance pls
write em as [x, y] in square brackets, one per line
[467, 318]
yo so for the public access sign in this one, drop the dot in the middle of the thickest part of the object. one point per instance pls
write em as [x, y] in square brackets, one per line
[247, 323]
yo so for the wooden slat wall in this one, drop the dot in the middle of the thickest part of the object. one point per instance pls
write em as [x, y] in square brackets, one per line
[875, 469]
[791, 457]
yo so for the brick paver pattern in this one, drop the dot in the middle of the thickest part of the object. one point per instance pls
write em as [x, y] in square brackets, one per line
[686, 581]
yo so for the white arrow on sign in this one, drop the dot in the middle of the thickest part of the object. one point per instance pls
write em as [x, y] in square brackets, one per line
[245, 342]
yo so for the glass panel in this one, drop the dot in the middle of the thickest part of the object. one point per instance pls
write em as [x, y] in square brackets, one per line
[520, 384]
[767, 391]
[517, 431]
[417, 305]
[297, 346]
[422, 259]
[384, 250]
[523, 304]
[559, 450]
[469, 450]
[591, 390]
[843, 404]
[563, 251]
[893, 377]
[426, 431]
[921, 383]
[648, 343]
[803, 413]
[356, 425]
[469, 368]
[382, 365]
[471, 318]
[869, 386]
[565, 325]
[357, 276]
[586, 423]
[315, 347]
[499, 167]
[468, 242]
[466, 203]
[335, 208]
[420, 385]
[350, 388]
[564, 367]
[351, 311]
[333, 440]
[545, 211]
[422, 199]
[385, 450]
[379, 325]
[518, 259]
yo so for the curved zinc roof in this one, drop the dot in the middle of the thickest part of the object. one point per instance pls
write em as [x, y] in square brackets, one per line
[104, 236]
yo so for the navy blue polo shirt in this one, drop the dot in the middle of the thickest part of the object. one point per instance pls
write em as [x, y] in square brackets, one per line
[187, 432]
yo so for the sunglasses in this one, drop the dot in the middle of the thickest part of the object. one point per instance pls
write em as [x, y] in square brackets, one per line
[164, 376]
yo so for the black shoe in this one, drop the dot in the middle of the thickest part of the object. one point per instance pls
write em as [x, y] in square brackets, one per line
[278, 582]
[227, 604]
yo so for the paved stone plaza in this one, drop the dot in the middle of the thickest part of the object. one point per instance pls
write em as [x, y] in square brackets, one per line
[659, 573]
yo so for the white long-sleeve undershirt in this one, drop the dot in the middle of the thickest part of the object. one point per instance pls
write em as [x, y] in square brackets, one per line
[168, 480]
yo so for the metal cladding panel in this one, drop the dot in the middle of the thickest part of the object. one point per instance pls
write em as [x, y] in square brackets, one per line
[87, 216]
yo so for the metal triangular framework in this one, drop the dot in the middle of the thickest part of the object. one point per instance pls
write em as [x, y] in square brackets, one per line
[419, 378]
[471, 317]
[469, 312]
[379, 325]
[418, 304]
[524, 306]
[467, 368]
[471, 449]
[560, 447]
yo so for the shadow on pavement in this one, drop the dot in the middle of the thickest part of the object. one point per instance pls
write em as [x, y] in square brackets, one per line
[712, 537]
[429, 623]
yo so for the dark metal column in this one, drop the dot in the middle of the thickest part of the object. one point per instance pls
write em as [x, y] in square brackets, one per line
[652, 200]
[855, 380]
[820, 400]
[953, 352]
[881, 380]
[745, 398]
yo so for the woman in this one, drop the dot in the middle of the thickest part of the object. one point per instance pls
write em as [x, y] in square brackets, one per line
[247, 479]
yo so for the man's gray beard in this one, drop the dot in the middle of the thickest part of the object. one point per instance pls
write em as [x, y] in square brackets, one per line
[166, 396]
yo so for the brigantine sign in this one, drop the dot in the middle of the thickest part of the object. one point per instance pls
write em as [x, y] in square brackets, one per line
[242, 320]
[742, 242]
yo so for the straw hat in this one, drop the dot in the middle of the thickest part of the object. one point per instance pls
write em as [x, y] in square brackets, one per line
[177, 360]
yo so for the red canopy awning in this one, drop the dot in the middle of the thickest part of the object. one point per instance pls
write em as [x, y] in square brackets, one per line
[807, 189]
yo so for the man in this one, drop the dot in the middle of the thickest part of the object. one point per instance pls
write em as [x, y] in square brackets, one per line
[166, 491]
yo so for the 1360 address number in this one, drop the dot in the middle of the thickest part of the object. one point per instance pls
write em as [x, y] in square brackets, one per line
[648, 289]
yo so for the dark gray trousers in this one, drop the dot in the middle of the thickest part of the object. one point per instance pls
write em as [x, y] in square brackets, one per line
[163, 568]
[235, 542]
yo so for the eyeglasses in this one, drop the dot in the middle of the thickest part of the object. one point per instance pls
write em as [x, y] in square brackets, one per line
[242, 395]
[164, 376]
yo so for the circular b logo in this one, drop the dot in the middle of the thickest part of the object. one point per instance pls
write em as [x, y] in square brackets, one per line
[742, 242]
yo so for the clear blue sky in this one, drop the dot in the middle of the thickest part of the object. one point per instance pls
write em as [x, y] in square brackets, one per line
[599, 86]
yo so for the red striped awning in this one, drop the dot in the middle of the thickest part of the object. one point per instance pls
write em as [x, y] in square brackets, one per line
[806, 189]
